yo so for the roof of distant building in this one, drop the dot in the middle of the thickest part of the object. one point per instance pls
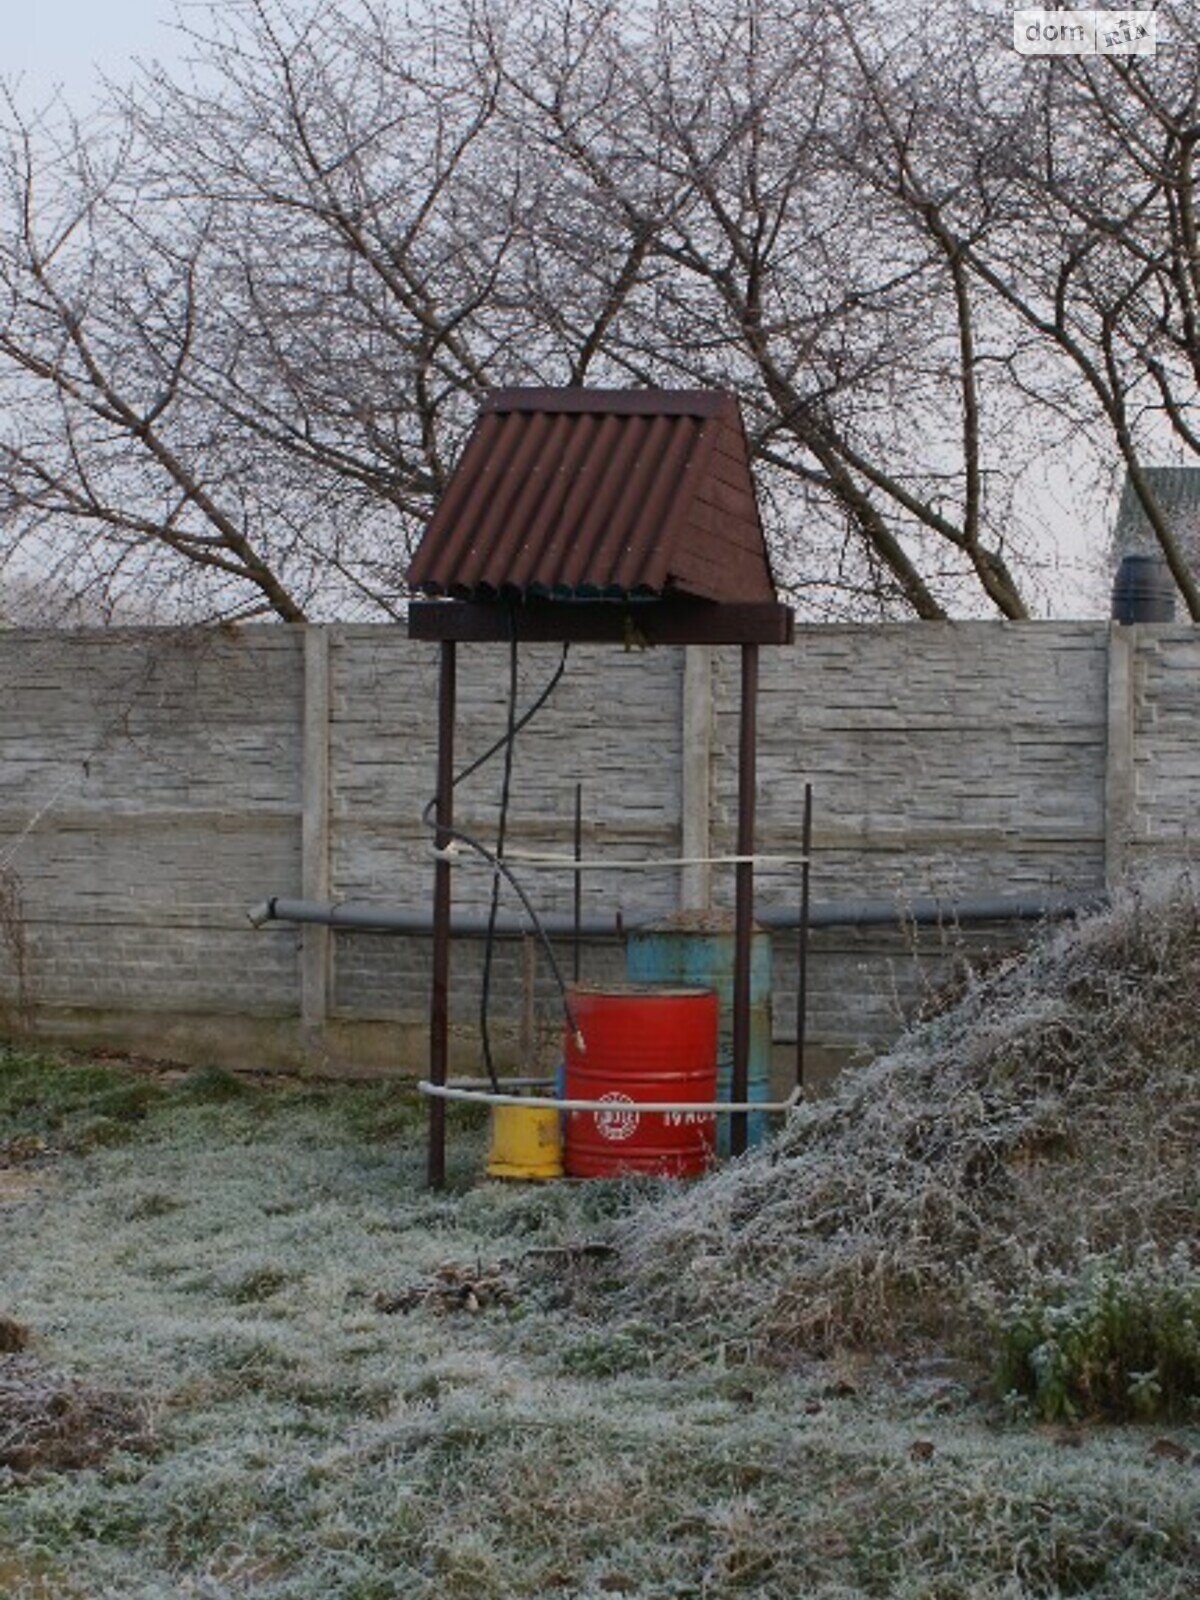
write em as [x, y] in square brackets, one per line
[1177, 490]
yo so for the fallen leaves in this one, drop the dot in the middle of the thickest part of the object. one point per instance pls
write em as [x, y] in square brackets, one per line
[451, 1288]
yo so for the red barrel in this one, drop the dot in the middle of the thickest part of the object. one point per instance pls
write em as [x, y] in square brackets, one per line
[648, 1046]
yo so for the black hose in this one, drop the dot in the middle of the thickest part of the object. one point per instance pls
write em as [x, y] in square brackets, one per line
[499, 868]
[485, 1032]
[525, 717]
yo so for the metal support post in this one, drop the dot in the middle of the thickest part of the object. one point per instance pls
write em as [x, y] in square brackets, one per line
[439, 1008]
[577, 903]
[802, 937]
[747, 742]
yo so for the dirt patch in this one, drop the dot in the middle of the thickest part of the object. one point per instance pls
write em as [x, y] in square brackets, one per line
[20, 1183]
[50, 1422]
[14, 1335]
[29, 1580]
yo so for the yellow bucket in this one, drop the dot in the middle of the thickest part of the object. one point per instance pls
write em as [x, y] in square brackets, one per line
[526, 1143]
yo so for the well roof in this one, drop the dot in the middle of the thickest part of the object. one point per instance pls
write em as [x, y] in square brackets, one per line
[567, 494]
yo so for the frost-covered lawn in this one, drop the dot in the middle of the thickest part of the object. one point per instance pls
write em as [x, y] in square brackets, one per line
[231, 1295]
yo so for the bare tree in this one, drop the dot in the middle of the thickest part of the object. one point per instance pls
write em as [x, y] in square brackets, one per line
[247, 320]
[98, 323]
[1105, 262]
[1063, 190]
[721, 149]
[242, 322]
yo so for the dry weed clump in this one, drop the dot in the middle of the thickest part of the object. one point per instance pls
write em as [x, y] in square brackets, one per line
[57, 1424]
[1051, 1115]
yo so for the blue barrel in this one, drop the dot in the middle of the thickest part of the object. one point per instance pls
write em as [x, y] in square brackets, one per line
[697, 947]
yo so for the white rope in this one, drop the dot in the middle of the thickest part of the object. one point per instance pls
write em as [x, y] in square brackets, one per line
[631, 1108]
[535, 858]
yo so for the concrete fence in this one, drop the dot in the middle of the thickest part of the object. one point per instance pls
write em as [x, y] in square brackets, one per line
[156, 783]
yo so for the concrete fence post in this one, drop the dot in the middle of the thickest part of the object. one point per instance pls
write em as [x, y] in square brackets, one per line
[1120, 797]
[316, 943]
[695, 883]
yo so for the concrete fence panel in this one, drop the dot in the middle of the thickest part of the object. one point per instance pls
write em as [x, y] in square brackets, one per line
[155, 783]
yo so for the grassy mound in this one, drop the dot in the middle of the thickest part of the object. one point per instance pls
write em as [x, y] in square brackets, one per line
[1049, 1118]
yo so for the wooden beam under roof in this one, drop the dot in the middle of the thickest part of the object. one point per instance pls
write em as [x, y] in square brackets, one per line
[633, 623]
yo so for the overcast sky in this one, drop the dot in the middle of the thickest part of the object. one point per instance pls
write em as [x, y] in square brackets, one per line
[67, 44]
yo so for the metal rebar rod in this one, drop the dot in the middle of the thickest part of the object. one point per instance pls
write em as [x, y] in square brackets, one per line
[439, 1005]
[577, 950]
[802, 939]
[528, 1033]
[744, 923]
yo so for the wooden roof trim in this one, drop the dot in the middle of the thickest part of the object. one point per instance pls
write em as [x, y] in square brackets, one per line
[614, 402]
[674, 620]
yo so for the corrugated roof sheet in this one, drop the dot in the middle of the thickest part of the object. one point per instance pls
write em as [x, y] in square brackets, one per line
[596, 493]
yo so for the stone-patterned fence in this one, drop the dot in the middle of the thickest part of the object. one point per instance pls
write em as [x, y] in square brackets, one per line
[156, 783]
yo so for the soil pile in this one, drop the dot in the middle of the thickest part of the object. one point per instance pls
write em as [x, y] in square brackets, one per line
[1050, 1114]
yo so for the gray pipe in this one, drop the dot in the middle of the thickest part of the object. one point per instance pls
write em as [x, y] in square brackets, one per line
[926, 913]
[366, 917]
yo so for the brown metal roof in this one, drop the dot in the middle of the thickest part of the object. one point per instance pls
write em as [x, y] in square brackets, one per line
[599, 493]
